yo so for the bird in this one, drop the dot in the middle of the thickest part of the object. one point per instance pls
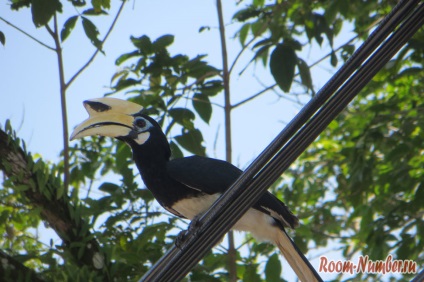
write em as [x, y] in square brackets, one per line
[188, 186]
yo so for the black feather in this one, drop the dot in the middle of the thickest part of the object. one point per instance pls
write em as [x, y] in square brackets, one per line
[173, 180]
[208, 175]
[213, 176]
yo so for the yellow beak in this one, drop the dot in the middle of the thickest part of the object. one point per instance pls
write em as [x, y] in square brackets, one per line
[107, 117]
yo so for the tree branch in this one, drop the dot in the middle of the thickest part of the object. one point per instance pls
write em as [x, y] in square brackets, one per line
[97, 50]
[263, 27]
[203, 101]
[43, 191]
[200, 79]
[232, 253]
[13, 270]
[55, 34]
[240, 53]
[254, 96]
[27, 34]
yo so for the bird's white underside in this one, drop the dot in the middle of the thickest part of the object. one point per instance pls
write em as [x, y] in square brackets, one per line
[259, 224]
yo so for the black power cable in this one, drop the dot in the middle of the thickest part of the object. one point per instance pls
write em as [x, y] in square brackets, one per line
[289, 144]
[419, 277]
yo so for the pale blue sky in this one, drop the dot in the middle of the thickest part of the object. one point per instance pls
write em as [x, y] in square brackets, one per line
[29, 76]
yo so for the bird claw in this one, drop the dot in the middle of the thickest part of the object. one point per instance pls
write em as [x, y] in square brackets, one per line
[194, 225]
[181, 238]
[193, 228]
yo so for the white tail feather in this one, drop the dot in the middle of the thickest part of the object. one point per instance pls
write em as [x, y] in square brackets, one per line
[302, 270]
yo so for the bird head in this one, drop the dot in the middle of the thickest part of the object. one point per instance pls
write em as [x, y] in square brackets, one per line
[123, 120]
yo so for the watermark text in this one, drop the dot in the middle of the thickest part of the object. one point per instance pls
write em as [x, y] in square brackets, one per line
[365, 265]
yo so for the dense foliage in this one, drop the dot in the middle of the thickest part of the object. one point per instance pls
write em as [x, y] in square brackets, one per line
[359, 186]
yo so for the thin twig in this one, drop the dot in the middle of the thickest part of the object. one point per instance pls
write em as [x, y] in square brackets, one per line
[226, 82]
[200, 79]
[203, 101]
[27, 34]
[280, 95]
[240, 53]
[97, 50]
[232, 253]
[55, 34]
[263, 27]
[254, 96]
[51, 32]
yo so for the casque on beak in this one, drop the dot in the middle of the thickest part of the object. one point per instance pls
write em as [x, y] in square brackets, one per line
[107, 117]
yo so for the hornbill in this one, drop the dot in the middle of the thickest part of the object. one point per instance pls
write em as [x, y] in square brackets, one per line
[188, 186]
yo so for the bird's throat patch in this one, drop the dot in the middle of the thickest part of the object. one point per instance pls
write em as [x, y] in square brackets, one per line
[142, 138]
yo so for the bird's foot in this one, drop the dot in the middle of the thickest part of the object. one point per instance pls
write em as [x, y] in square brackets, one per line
[181, 238]
[194, 225]
[193, 229]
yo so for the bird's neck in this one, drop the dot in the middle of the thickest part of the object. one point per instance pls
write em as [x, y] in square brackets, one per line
[152, 165]
[151, 162]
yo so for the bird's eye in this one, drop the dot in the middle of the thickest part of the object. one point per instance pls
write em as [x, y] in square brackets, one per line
[140, 122]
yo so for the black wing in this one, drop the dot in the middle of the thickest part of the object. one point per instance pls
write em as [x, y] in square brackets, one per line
[213, 176]
[207, 175]
[271, 205]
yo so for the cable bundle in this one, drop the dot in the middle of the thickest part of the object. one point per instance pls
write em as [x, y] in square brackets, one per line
[393, 32]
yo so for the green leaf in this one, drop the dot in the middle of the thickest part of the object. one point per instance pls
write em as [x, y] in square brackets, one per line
[264, 42]
[320, 26]
[273, 269]
[258, 3]
[43, 10]
[283, 62]
[109, 187]
[163, 42]
[68, 27]
[143, 44]
[203, 28]
[243, 32]
[99, 4]
[20, 188]
[251, 273]
[257, 28]
[38, 166]
[203, 106]
[347, 51]
[300, 243]
[24, 258]
[175, 151]
[155, 81]
[261, 53]
[125, 83]
[246, 14]
[412, 71]
[17, 4]
[183, 117]
[94, 12]
[331, 11]
[78, 3]
[333, 59]
[212, 87]
[8, 127]
[305, 74]
[126, 56]
[191, 140]
[92, 33]
[60, 191]
[2, 38]
[197, 68]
